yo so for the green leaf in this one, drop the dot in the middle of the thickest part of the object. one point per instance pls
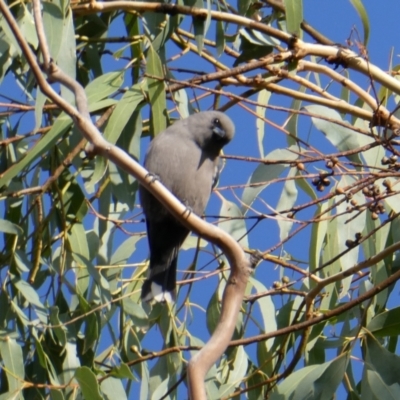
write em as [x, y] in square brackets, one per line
[381, 372]
[133, 28]
[11, 354]
[39, 103]
[200, 25]
[40, 353]
[213, 312]
[159, 379]
[362, 12]
[318, 232]
[124, 251]
[257, 38]
[237, 371]
[58, 329]
[345, 92]
[263, 99]
[220, 36]
[294, 16]
[169, 26]
[313, 382]
[250, 51]
[233, 222]
[67, 57]
[286, 202]
[261, 176]
[256, 383]
[243, 6]
[267, 309]
[100, 169]
[156, 92]
[60, 126]
[8, 227]
[113, 388]
[27, 26]
[91, 325]
[122, 112]
[325, 386]
[56, 394]
[88, 383]
[12, 44]
[70, 363]
[393, 202]
[122, 371]
[161, 389]
[101, 104]
[5, 59]
[77, 241]
[123, 185]
[266, 348]
[182, 101]
[347, 230]
[137, 313]
[386, 323]
[73, 198]
[30, 294]
[54, 27]
[330, 250]
[292, 125]
[341, 137]
[104, 86]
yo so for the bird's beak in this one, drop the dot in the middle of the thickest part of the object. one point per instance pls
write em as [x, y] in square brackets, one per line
[219, 132]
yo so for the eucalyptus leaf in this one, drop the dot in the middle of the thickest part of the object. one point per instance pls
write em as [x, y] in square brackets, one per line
[88, 383]
[156, 89]
[264, 173]
[294, 16]
[341, 137]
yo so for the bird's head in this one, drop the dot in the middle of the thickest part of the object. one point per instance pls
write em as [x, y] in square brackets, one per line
[211, 130]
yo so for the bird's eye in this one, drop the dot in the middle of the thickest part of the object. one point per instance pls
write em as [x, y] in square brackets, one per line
[217, 122]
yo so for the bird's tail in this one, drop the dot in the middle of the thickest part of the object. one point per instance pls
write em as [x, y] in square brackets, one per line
[165, 236]
[160, 285]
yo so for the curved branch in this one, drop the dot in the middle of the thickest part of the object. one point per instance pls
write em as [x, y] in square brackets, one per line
[239, 262]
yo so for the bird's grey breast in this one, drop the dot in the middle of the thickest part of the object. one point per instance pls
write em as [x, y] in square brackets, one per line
[184, 169]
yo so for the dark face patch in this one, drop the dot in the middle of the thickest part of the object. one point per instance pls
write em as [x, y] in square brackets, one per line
[217, 129]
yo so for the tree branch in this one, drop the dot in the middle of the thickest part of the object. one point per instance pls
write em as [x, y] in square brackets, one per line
[239, 262]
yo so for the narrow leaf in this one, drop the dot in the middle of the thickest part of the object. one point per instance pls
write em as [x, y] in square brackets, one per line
[341, 137]
[104, 86]
[233, 222]
[294, 16]
[261, 176]
[156, 91]
[362, 12]
[62, 123]
[8, 227]
[88, 383]
[11, 354]
[262, 99]
[286, 202]
[122, 113]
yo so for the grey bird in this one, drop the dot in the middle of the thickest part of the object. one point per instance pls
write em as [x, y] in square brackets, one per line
[185, 158]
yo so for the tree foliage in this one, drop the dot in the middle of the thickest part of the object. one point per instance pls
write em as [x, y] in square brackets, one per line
[311, 184]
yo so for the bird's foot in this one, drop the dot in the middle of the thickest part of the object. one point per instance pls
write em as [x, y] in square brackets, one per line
[154, 177]
[255, 258]
[188, 210]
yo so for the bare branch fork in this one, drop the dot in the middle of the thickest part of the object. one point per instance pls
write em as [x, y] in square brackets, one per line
[239, 262]
[299, 48]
